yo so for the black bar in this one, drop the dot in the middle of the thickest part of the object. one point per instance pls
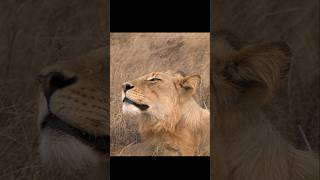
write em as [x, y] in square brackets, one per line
[160, 168]
[160, 16]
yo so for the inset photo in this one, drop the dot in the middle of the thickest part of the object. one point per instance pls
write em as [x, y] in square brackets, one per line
[160, 94]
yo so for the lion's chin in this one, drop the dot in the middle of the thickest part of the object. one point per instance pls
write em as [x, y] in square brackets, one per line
[130, 109]
[58, 150]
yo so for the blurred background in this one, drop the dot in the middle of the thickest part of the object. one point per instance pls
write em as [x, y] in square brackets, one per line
[296, 107]
[34, 34]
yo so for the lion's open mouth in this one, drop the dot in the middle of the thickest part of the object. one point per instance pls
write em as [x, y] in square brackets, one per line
[99, 142]
[142, 107]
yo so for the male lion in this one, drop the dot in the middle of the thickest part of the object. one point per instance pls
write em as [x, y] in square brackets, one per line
[170, 121]
[73, 118]
[246, 145]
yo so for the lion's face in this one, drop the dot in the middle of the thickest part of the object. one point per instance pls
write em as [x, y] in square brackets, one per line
[158, 93]
[73, 113]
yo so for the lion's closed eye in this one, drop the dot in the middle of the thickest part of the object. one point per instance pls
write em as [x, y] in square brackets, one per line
[154, 79]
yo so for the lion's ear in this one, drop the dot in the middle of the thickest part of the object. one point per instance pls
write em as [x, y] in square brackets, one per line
[257, 69]
[190, 83]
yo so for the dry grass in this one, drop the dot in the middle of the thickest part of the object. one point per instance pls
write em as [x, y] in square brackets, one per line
[135, 54]
[18, 132]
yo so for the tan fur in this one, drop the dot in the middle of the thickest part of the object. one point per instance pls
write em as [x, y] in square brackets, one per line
[245, 144]
[174, 124]
[83, 105]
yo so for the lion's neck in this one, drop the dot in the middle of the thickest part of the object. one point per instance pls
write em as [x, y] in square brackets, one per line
[236, 134]
[188, 129]
[193, 117]
[229, 122]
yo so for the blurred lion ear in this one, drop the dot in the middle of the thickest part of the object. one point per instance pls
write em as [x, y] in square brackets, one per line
[190, 83]
[181, 73]
[259, 68]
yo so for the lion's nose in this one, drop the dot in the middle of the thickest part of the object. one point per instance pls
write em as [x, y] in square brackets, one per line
[127, 86]
[54, 81]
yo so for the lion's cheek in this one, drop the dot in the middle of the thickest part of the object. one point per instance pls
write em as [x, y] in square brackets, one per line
[160, 111]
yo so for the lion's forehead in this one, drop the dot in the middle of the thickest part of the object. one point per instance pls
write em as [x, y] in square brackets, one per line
[151, 75]
[155, 75]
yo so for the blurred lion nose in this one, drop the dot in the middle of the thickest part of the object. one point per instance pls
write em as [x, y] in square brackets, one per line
[127, 86]
[54, 81]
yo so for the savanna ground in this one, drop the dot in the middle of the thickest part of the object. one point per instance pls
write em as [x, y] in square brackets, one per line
[34, 34]
[135, 54]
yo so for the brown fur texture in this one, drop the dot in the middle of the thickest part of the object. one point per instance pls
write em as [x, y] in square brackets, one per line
[83, 105]
[246, 145]
[173, 124]
[296, 104]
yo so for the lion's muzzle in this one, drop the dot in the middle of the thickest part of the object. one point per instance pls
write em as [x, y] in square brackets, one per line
[142, 107]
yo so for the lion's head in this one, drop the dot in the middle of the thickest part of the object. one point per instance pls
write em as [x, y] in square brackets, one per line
[73, 115]
[160, 95]
[170, 121]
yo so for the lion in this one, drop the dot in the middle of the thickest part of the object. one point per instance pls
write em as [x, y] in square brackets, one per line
[245, 144]
[73, 117]
[170, 122]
